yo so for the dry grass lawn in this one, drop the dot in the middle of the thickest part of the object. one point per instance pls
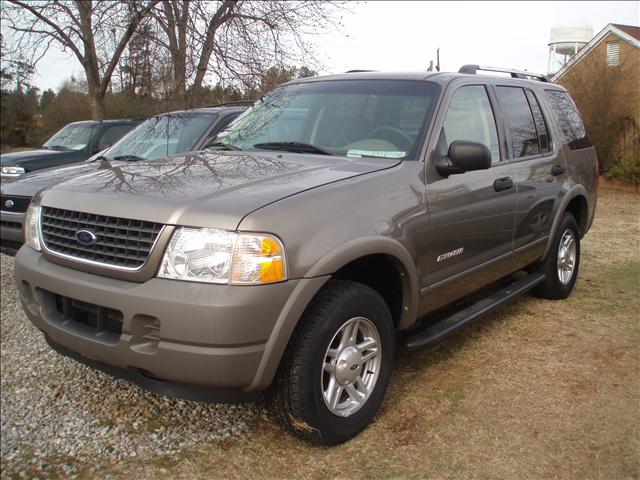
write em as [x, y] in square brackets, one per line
[539, 389]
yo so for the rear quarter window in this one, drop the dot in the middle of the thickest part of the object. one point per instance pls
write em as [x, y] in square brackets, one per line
[566, 113]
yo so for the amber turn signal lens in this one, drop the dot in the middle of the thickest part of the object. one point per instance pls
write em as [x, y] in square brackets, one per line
[258, 258]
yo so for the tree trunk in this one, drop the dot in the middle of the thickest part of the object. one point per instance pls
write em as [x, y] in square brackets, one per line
[97, 106]
[221, 16]
[180, 80]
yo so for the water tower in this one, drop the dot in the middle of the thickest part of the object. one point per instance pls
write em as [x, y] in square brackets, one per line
[566, 40]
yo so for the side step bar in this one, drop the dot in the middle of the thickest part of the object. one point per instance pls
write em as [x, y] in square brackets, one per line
[438, 331]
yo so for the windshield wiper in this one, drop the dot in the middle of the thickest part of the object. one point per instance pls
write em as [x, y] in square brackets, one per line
[58, 147]
[101, 158]
[223, 146]
[296, 147]
[128, 158]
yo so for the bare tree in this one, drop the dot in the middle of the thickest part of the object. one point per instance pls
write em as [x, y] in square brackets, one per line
[608, 98]
[96, 32]
[237, 41]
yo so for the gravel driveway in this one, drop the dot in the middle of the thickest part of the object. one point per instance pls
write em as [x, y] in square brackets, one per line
[58, 415]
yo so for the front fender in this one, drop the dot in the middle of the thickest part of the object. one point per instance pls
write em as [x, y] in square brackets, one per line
[313, 281]
[372, 245]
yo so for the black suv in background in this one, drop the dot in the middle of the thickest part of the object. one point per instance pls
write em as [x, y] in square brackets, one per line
[157, 137]
[75, 142]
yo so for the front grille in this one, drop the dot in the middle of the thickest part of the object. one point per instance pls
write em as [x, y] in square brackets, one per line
[14, 203]
[119, 242]
[14, 225]
[86, 319]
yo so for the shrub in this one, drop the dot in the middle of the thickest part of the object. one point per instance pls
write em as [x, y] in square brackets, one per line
[626, 168]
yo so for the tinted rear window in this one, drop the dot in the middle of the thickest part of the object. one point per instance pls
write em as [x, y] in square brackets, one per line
[568, 118]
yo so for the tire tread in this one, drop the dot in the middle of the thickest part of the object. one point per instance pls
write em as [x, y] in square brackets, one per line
[286, 395]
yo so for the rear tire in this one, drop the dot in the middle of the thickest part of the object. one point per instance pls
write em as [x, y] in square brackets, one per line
[561, 265]
[337, 365]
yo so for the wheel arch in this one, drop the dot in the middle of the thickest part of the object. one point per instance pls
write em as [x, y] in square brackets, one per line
[574, 201]
[344, 261]
[338, 264]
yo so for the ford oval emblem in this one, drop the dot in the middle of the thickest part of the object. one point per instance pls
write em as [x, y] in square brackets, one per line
[86, 237]
[9, 203]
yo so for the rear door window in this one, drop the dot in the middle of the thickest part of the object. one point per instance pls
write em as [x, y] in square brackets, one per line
[568, 118]
[524, 136]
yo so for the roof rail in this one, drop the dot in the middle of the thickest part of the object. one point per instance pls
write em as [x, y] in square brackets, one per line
[523, 74]
[237, 103]
[359, 71]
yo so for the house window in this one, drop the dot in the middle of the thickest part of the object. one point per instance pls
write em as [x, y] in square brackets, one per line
[613, 54]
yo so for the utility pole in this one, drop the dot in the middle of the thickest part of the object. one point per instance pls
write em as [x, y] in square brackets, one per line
[438, 60]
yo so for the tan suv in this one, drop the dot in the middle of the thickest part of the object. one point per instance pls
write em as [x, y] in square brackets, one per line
[288, 255]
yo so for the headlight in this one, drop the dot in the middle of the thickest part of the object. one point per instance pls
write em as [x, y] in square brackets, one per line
[219, 256]
[12, 171]
[32, 226]
[257, 259]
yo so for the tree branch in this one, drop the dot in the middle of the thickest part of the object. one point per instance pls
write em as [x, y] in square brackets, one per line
[66, 40]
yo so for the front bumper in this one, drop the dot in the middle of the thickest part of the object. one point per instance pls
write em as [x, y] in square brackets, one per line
[10, 176]
[11, 237]
[214, 337]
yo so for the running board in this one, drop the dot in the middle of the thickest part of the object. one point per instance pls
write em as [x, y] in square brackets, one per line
[438, 331]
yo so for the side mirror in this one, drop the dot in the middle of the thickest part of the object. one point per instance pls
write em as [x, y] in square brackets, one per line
[463, 156]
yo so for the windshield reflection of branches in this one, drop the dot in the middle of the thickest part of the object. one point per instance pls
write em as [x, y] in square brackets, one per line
[259, 118]
[71, 135]
[185, 174]
[163, 136]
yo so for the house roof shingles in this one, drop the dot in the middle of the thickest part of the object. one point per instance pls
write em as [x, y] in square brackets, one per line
[629, 30]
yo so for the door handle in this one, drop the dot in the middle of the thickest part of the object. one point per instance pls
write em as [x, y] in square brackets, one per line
[502, 184]
[557, 170]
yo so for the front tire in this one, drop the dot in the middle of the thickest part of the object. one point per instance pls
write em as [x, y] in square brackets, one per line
[561, 265]
[337, 365]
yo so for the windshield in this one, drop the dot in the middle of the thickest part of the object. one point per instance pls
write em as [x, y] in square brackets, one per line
[162, 136]
[380, 118]
[71, 137]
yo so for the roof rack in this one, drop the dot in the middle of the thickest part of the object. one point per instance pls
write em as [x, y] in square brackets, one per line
[237, 103]
[523, 74]
[359, 71]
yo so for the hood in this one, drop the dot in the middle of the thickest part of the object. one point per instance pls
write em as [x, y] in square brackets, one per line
[23, 158]
[31, 183]
[203, 189]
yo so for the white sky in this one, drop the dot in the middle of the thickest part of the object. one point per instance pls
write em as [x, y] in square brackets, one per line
[401, 36]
